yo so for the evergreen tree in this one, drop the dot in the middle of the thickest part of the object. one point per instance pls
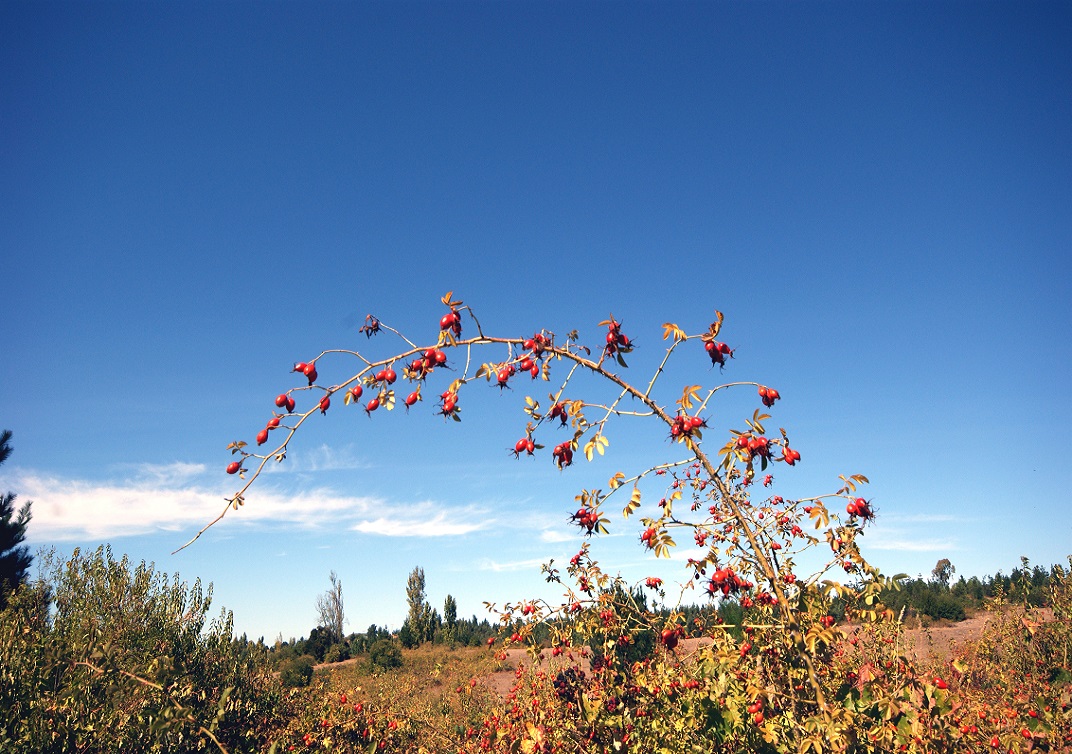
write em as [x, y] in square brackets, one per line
[15, 557]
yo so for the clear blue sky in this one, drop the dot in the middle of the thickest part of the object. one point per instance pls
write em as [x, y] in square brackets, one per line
[195, 195]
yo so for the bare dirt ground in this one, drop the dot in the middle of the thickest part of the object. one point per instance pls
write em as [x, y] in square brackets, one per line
[936, 642]
[933, 644]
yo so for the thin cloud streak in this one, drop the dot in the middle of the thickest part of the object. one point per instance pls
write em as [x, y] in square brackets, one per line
[517, 565]
[164, 500]
[915, 545]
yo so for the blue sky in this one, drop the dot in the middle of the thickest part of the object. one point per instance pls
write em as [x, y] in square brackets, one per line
[195, 195]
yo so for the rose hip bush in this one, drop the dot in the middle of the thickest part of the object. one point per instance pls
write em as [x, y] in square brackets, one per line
[606, 672]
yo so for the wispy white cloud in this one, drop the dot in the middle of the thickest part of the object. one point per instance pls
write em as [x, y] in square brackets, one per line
[912, 545]
[557, 535]
[517, 565]
[424, 520]
[175, 497]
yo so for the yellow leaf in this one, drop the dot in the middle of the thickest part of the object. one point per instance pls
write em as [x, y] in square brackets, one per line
[669, 328]
[716, 325]
[690, 393]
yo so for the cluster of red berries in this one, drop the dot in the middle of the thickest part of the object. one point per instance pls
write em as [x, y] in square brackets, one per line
[563, 454]
[535, 346]
[559, 411]
[617, 341]
[755, 709]
[718, 352]
[726, 581]
[285, 401]
[537, 343]
[387, 375]
[420, 368]
[859, 507]
[649, 537]
[309, 370]
[653, 582]
[262, 436]
[685, 426]
[768, 395]
[754, 446]
[448, 405]
[791, 456]
[524, 445]
[587, 519]
[451, 321]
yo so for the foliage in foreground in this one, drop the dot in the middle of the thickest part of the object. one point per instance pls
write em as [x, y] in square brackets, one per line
[104, 656]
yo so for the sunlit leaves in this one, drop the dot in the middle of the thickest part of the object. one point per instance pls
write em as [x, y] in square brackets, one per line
[672, 330]
[689, 394]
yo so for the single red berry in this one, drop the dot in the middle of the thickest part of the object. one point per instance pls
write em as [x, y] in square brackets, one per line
[356, 391]
[372, 405]
[262, 436]
[233, 467]
[290, 405]
[669, 637]
[412, 398]
[273, 422]
[300, 366]
[325, 404]
[281, 400]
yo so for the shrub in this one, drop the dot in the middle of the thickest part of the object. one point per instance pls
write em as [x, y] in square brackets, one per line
[337, 653]
[385, 654]
[297, 671]
[124, 661]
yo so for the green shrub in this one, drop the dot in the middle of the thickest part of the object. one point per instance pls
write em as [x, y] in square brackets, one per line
[337, 653]
[385, 654]
[297, 671]
[124, 661]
